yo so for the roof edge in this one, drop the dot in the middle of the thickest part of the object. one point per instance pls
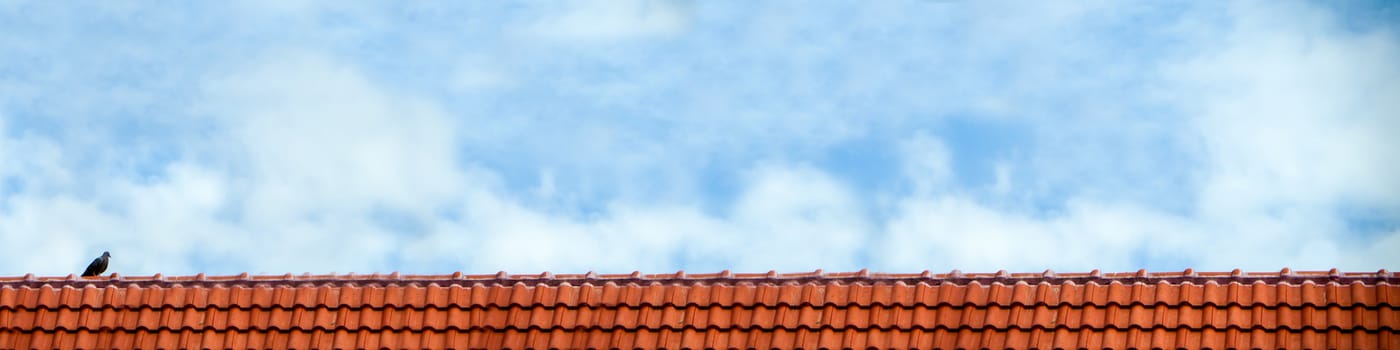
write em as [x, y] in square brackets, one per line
[723, 277]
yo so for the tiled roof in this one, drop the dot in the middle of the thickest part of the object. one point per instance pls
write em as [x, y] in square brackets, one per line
[816, 310]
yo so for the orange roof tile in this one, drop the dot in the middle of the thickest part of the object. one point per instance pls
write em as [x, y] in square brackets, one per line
[816, 310]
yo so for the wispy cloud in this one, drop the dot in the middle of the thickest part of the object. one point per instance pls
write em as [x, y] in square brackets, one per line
[592, 22]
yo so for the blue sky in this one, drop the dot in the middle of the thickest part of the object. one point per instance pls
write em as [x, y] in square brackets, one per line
[902, 136]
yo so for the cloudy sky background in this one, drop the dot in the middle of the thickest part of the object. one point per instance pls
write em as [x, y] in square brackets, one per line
[902, 136]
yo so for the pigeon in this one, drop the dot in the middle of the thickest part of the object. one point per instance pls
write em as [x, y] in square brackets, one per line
[98, 265]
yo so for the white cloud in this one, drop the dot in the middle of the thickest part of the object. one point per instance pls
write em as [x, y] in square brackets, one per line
[1297, 116]
[960, 230]
[318, 151]
[927, 162]
[316, 136]
[1298, 119]
[1294, 124]
[795, 218]
[307, 154]
[53, 235]
[788, 218]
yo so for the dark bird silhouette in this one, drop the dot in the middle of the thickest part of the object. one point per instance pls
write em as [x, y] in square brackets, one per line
[98, 265]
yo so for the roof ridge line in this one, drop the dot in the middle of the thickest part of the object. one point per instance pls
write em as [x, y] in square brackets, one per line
[723, 277]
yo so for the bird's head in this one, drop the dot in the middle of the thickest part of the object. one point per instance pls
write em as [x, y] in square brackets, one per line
[106, 254]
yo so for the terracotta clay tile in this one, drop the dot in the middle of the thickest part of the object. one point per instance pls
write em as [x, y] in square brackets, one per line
[610, 294]
[260, 296]
[342, 339]
[738, 295]
[394, 297]
[160, 319]
[517, 294]
[235, 296]
[1388, 294]
[627, 294]
[1141, 293]
[1189, 294]
[82, 339]
[247, 319]
[67, 295]
[301, 318]
[531, 317]
[976, 294]
[1068, 293]
[47, 297]
[16, 340]
[9, 296]
[923, 293]
[716, 317]
[166, 339]
[767, 318]
[1214, 294]
[898, 293]
[562, 295]
[135, 296]
[812, 316]
[143, 318]
[818, 294]
[293, 296]
[411, 340]
[1021, 293]
[373, 296]
[434, 295]
[174, 297]
[275, 318]
[408, 318]
[1311, 293]
[589, 294]
[1010, 339]
[1088, 293]
[998, 318]
[394, 318]
[811, 294]
[388, 340]
[1138, 314]
[672, 317]
[767, 294]
[1018, 316]
[864, 294]
[905, 294]
[938, 339]
[343, 297]
[1111, 338]
[1361, 294]
[696, 294]
[836, 295]
[1258, 293]
[88, 319]
[191, 318]
[45, 340]
[779, 317]
[1237, 315]
[1121, 294]
[653, 294]
[454, 295]
[998, 294]
[1337, 294]
[1134, 338]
